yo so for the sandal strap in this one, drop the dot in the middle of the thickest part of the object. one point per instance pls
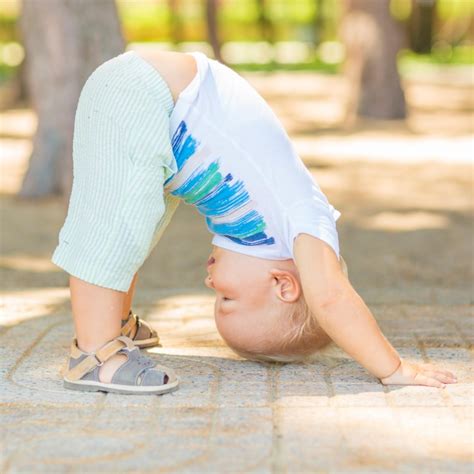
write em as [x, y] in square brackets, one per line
[130, 324]
[136, 365]
[98, 357]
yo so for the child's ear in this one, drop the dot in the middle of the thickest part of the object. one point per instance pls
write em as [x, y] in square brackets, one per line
[286, 284]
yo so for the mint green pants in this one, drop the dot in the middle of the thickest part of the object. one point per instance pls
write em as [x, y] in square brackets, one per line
[122, 156]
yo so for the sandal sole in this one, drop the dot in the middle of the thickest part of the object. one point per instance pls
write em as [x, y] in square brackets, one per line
[152, 341]
[90, 386]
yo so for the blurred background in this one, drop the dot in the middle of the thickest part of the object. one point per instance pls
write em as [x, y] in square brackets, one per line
[399, 58]
[377, 96]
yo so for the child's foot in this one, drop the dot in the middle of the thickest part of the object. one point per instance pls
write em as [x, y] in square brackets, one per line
[107, 371]
[142, 334]
[118, 366]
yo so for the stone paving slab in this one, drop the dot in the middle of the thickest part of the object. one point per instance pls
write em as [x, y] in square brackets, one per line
[231, 415]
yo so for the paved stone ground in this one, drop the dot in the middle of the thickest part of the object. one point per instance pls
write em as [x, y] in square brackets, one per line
[232, 415]
[405, 232]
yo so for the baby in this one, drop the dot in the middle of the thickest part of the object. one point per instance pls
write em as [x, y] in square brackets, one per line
[150, 133]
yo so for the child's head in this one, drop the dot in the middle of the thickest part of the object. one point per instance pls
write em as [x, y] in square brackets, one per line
[260, 310]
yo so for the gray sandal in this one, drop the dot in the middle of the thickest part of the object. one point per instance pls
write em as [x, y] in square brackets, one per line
[145, 335]
[140, 374]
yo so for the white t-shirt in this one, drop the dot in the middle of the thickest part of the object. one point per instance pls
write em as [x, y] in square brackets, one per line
[237, 165]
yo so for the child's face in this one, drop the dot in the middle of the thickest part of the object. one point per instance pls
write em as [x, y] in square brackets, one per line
[249, 301]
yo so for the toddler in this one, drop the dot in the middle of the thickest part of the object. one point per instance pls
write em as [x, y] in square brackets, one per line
[150, 133]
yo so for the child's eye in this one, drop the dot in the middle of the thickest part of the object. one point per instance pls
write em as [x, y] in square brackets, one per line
[226, 299]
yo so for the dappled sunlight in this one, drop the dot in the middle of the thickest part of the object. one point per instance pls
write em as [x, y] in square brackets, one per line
[300, 112]
[17, 127]
[385, 145]
[403, 188]
[17, 123]
[222, 352]
[13, 163]
[435, 97]
[309, 85]
[388, 438]
[184, 305]
[185, 299]
[404, 221]
[185, 322]
[28, 263]
[440, 122]
[364, 188]
[23, 305]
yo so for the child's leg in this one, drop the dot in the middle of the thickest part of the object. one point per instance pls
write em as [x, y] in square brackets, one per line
[122, 157]
[127, 304]
[97, 313]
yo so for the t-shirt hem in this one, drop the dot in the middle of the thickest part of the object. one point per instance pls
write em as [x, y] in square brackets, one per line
[223, 242]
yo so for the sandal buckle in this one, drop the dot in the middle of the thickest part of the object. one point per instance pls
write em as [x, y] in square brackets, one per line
[100, 362]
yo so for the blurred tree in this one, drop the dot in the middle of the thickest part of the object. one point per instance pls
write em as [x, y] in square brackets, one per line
[454, 24]
[65, 40]
[175, 22]
[372, 39]
[212, 28]
[421, 25]
[267, 31]
[319, 20]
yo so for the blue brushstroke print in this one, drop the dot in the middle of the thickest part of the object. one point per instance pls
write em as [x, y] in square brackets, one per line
[216, 195]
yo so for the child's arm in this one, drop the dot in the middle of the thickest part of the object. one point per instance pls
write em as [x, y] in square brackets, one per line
[342, 313]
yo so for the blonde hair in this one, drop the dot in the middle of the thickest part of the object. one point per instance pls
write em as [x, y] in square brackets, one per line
[305, 338]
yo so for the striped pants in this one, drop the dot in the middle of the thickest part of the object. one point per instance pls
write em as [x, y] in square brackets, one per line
[122, 156]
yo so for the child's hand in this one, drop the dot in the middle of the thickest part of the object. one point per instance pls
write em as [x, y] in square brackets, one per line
[419, 374]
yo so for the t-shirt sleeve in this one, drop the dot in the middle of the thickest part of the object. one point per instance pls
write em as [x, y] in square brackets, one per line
[314, 216]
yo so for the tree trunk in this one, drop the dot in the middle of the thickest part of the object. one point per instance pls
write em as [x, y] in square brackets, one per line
[212, 28]
[373, 39]
[267, 31]
[421, 25]
[319, 22]
[65, 40]
[176, 28]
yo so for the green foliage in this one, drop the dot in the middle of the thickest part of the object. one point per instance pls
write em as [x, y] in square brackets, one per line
[140, 19]
[6, 72]
[454, 9]
[459, 55]
[290, 20]
[445, 9]
[243, 12]
[401, 9]
[315, 65]
[301, 11]
[8, 26]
